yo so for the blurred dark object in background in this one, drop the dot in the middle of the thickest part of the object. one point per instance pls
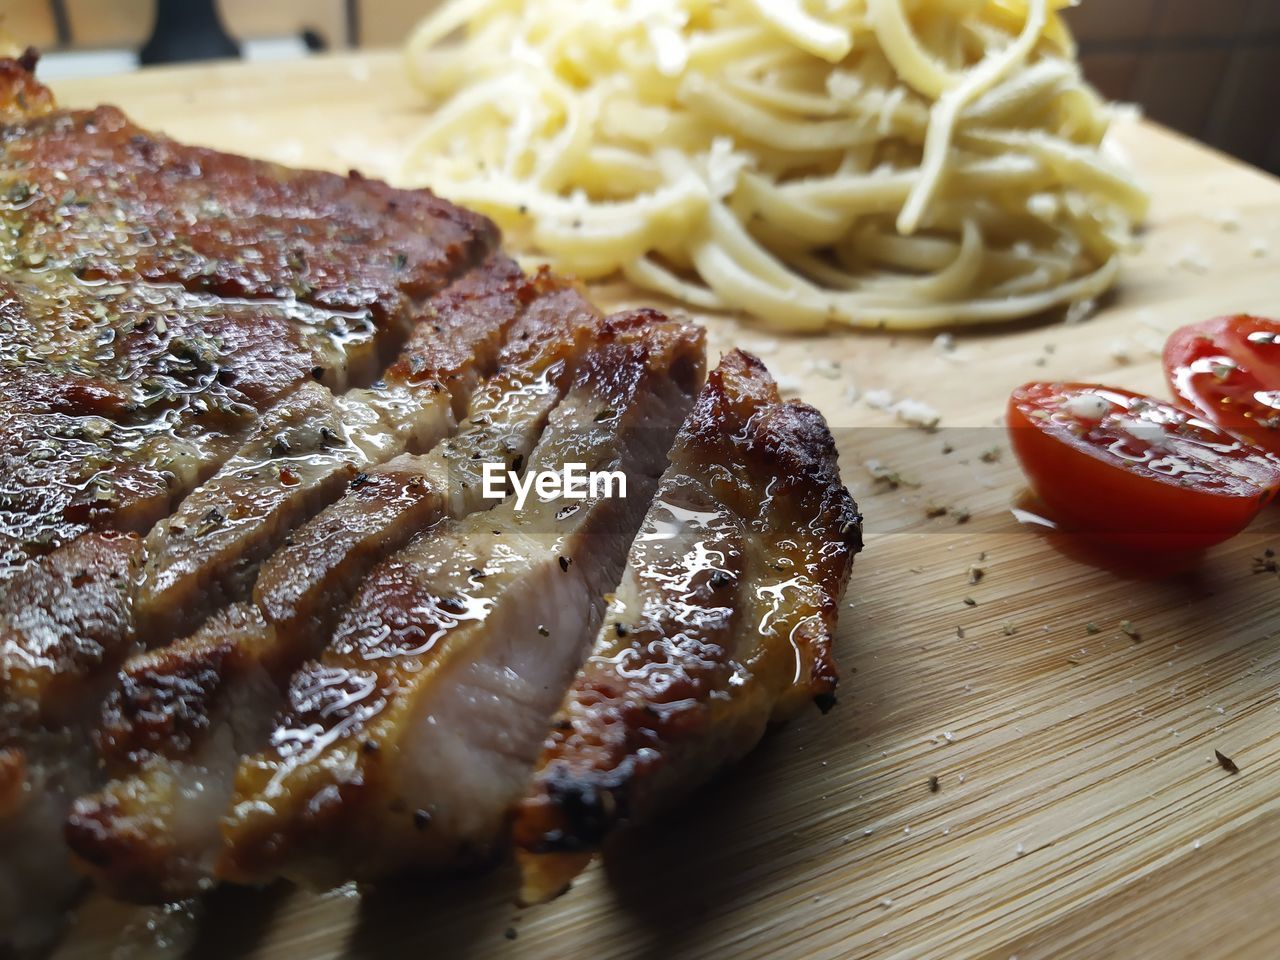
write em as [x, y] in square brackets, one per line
[1208, 68]
[187, 30]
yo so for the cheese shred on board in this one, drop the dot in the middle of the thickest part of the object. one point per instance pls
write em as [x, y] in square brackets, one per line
[877, 163]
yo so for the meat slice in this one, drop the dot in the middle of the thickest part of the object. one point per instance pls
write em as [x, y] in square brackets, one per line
[304, 453]
[115, 401]
[403, 745]
[301, 456]
[65, 621]
[171, 734]
[183, 715]
[723, 623]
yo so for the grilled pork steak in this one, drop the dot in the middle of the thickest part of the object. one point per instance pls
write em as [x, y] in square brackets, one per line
[723, 622]
[259, 616]
[403, 745]
[174, 731]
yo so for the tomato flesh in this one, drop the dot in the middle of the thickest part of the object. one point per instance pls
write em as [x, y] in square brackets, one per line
[1136, 472]
[1229, 369]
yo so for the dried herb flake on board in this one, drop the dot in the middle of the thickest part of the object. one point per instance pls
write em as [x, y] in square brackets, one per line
[1225, 762]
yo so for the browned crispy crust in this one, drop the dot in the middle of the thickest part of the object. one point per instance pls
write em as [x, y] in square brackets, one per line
[21, 95]
[229, 225]
[63, 620]
[116, 836]
[685, 679]
[457, 341]
[160, 704]
[156, 729]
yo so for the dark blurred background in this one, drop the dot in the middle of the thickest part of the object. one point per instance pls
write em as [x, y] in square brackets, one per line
[1210, 68]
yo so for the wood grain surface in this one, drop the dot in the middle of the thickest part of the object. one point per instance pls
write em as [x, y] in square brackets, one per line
[1079, 810]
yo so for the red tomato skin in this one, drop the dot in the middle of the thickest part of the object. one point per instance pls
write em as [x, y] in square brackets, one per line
[1220, 368]
[1091, 491]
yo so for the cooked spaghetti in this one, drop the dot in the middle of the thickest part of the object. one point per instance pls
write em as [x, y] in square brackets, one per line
[876, 163]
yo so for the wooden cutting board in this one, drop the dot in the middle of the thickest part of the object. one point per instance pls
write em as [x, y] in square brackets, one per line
[1079, 811]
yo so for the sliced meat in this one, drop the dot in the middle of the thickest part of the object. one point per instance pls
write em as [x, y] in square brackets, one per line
[723, 623]
[307, 449]
[109, 413]
[64, 624]
[153, 830]
[392, 502]
[301, 456]
[402, 747]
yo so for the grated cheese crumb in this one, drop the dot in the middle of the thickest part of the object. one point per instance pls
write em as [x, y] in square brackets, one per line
[1193, 259]
[1080, 311]
[1227, 219]
[916, 413]
[1088, 406]
[878, 399]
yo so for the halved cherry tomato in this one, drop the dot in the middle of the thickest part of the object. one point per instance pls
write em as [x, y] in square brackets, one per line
[1136, 472]
[1229, 370]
